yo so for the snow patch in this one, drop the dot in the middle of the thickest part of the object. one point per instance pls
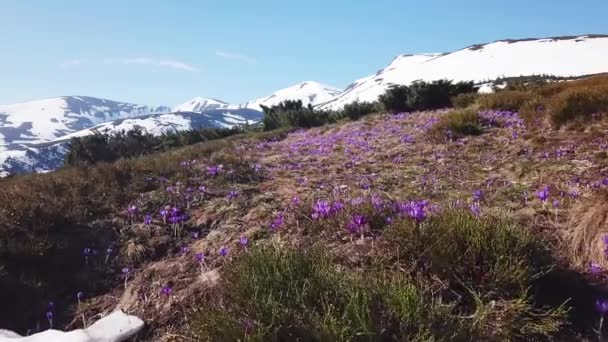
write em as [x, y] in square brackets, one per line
[115, 327]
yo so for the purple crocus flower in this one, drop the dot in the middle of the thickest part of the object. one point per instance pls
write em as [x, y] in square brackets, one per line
[132, 210]
[167, 290]
[86, 252]
[356, 224]
[321, 209]
[202, 188]
[475, 209]
[233, 194]
[595, 268]
[295, 200]
[477, 195]
[148, 220]
[556, 203]
[49, 317]
[543, 194]
[184, 250]
[277, 222]
[224, 251]
[244, 241]
[601, 305]
[574, 194]
[80, 296]
[199, 257]
[195, 235]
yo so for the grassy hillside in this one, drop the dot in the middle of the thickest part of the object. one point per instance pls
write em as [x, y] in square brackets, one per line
[447, 225]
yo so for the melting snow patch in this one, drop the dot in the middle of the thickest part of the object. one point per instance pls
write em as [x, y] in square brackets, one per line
[115, 327]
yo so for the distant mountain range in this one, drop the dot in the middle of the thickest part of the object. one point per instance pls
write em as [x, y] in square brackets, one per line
[33, 135]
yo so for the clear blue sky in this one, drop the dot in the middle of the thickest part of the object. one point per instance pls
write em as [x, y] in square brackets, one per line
[166, 52]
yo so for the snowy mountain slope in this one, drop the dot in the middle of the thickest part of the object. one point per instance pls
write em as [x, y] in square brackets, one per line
[309, 92]
[158, 124]
[560, 56]
[200, 104]
[17, 158]
[48, 119]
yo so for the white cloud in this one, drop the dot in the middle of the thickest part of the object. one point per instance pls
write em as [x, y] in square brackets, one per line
[235, 56]
[72, 63]
[165, 63]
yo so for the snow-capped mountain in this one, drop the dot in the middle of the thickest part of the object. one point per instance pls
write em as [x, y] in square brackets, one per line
[49, 119]
[42, 156]
[559, 56]
[158, 124]
[200, 104]
[309, 92]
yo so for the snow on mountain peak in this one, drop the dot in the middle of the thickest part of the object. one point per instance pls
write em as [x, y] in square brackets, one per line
[559, 56]
[309, 92]
[199, 104]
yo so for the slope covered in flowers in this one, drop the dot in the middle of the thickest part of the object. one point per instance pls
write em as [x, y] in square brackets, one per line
[467, 225]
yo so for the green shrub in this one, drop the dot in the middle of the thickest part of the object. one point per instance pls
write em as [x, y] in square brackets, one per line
[422, 95]
[357, 109]
[294, 114]
[135, 143]
[456, 124]
[504, 100]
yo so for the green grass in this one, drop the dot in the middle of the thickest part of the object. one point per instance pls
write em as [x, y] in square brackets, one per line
[456, 124]
[468, 279]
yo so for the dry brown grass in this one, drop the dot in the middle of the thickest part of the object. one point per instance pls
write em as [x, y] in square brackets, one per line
[582, 236]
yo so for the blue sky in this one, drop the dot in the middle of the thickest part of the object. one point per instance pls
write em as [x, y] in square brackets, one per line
[166, 52]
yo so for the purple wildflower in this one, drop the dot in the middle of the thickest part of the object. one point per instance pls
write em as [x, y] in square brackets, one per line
[356, 224]
[595, 268]
[148, 219]
[166, 290]
[556, 203]
[277, 222]
[184, 250]
[233, 194]
[601, 305]
[199, 257]
[80, 296]
[477, 195]
[244, 241]
[86, 252]
[214, 170]
[295, 200]
[475, 209]
[195, 235]
[132, 210]
[223, 251]
[543, 194]
[321, 210]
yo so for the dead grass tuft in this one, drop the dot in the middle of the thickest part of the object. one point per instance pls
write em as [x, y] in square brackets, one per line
[582, 237]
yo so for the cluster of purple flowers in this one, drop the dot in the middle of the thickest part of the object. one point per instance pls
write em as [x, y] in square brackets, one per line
[277, 222]
[543, 194]
[215, 170]
[416, 210]
[356, 224]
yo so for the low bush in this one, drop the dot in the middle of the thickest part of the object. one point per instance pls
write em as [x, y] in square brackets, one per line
[422, 95]
[107, 148]
[294, 114]
[455, 125]
[357, 109]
